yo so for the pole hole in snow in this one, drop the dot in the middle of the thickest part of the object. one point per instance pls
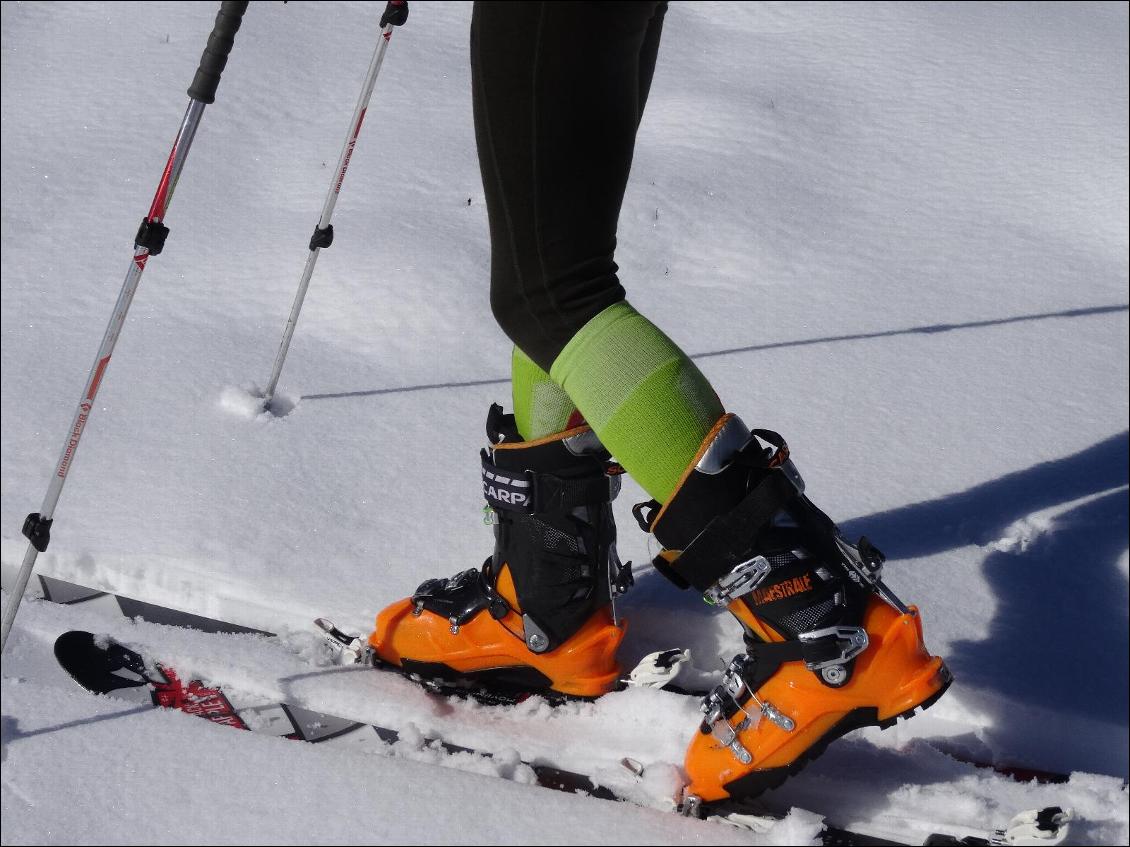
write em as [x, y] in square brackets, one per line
[247, 403]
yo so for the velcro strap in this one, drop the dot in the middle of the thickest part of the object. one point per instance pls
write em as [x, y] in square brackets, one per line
[664, 568]
[821, 650]
[532, 492]
[767, 657]
[729, 539]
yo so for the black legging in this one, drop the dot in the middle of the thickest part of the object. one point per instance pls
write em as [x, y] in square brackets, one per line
[559, 90]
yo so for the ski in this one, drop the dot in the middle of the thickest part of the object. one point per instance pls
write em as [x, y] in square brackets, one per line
[104, 666]
[657, 670]
[118, 605]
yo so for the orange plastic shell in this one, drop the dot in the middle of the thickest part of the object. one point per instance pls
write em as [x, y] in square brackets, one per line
[584, 666]
[893, 675]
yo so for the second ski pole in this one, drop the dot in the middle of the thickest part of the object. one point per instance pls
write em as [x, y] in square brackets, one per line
[149, 241]
[395, 14]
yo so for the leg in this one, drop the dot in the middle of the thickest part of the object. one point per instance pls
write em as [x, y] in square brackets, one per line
[828, 648]
[559, 90]
[555, 140]
[556, 102]
[541, 407]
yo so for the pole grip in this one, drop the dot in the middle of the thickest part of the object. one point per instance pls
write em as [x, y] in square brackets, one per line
[220, 42]
[396, 13]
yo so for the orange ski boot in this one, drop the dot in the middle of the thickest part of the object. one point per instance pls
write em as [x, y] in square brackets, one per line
[538, 617]
[829, 648]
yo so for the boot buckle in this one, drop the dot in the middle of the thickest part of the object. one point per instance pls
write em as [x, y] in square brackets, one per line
[735, 683]
[620, 579]
[851, 641]
[535, 637]
[716, 704]
[775, 715]
[620, 576]
[740, 581]
[864, 566]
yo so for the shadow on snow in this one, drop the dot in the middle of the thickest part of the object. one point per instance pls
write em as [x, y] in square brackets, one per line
[930, 329]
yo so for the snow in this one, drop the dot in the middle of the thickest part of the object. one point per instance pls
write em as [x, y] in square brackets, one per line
[897, 233]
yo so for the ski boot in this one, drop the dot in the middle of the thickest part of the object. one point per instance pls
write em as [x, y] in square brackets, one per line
[538, 617]
[829, 648]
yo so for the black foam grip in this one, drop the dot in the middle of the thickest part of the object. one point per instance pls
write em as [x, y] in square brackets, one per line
[220, 42]
[396, 13]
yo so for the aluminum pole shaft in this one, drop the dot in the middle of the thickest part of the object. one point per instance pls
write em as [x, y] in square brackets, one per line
[328, 208]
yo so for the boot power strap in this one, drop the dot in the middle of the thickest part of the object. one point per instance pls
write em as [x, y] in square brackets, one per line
[731, 539]
[536, 493]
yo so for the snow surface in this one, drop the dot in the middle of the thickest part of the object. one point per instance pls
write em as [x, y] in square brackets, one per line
[897, 233]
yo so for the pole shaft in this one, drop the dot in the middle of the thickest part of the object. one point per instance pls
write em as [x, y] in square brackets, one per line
[328, 207]
[355, 124]
[177, 157]
[125, 298]
[149, 242]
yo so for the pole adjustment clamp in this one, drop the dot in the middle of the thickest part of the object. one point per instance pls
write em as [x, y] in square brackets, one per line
[38, 530]
[151, 235]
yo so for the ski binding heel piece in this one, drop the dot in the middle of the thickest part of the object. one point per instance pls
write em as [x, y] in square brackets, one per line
[1049, 825]
[658, 670]
[342, 648]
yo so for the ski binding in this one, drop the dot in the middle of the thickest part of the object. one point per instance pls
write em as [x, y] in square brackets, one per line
[658, 670]
[342, 648]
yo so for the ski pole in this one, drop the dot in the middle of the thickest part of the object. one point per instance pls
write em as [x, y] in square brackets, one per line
[149, 241]
[395, 14]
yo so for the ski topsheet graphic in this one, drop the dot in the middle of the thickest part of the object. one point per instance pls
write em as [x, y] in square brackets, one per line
[104, 666]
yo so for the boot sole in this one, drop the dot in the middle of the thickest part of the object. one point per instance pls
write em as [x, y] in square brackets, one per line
[492, 687]
[758, 782]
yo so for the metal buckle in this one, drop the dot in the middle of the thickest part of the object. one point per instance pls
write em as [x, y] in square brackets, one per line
[735, 683]
[725, 698]
[868, 572]
[733, 678]
[775, 715]
[715, 706]
[620, 579]
[745, 577]
[620, 576]
[536, 639]
[852, 641]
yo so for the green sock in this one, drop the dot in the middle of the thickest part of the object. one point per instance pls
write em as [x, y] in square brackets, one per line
[648, 402]
[541, 406]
